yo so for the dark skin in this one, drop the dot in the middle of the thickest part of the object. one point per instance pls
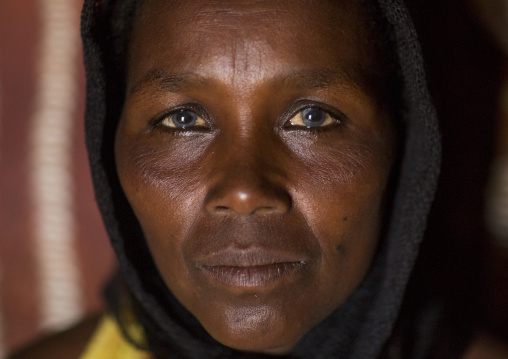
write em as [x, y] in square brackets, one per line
[255, 161]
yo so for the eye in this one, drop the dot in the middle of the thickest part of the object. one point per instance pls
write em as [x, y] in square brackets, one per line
[312, 117]
[182, 119]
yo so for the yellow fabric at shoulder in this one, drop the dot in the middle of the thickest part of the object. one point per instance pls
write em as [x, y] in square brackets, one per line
[108, 343]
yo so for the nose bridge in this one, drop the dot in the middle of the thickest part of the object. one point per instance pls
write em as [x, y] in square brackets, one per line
[247, 180]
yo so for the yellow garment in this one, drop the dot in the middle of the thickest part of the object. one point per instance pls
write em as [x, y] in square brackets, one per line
[108, 343]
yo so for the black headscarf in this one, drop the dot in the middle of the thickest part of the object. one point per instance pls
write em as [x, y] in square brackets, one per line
[358, 329]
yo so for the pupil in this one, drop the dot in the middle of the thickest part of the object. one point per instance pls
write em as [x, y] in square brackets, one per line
[313, 117]
[184, 119]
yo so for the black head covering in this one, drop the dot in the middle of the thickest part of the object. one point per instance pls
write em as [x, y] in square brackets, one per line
[356, 330]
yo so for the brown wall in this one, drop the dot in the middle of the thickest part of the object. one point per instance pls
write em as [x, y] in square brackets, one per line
[21, 48]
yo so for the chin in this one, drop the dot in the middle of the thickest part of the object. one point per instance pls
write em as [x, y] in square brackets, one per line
[256, 329]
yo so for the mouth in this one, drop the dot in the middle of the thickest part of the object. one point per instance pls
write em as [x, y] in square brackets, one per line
[251, 267]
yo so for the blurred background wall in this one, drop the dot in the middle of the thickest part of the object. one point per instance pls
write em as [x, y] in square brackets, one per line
[466, 251]
[54, 254]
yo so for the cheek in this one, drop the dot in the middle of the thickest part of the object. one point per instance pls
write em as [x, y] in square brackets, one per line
[156, 168]
[162, 182]
[340, 191]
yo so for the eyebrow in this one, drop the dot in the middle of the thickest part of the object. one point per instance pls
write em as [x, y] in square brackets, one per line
[166, 82]
[162, 81]
[323, 78]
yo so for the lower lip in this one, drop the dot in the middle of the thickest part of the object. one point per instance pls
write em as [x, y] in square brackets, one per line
[255, 276]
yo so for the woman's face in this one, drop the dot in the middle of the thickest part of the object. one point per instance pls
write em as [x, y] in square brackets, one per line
[255, 157]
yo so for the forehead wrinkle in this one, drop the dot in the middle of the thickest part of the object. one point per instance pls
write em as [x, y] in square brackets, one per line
[261, 9]
[229, 15]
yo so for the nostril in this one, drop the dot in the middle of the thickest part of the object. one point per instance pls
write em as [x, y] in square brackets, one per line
[256, 202]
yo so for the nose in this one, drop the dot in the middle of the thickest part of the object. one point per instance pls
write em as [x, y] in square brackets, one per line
[247, 187]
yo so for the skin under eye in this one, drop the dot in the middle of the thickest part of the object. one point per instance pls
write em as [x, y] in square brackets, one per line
[312, 117]
[182, 119]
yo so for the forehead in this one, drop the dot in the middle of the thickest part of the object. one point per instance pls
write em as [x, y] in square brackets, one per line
[239, 14]
[252, 38]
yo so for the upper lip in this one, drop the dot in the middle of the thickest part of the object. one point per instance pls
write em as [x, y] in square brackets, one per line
[248, 257]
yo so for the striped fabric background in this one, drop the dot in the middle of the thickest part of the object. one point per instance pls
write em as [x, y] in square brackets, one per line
[54, 254]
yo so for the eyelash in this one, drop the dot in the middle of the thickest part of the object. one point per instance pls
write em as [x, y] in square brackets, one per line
[296, 110]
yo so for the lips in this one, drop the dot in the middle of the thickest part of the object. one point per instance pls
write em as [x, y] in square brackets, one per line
[251, 267]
